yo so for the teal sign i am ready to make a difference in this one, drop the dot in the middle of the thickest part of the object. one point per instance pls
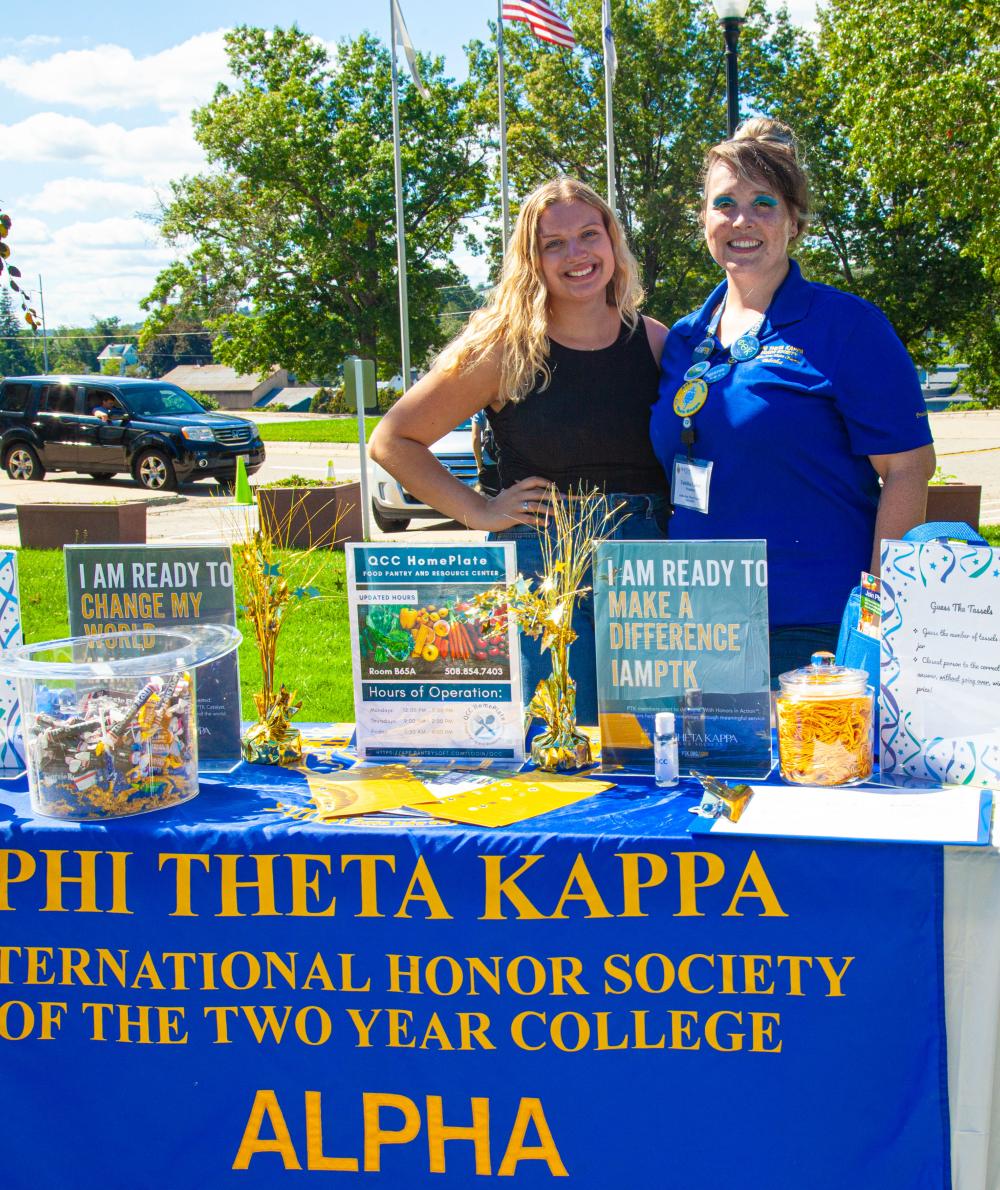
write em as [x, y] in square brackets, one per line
[682, 626]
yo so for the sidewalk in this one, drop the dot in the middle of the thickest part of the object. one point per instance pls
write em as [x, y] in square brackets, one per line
[968, 448]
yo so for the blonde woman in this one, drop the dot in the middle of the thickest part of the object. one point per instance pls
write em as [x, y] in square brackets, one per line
[566, 369]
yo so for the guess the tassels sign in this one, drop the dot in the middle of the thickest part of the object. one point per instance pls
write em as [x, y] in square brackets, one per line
[940, 697]
[682, 626]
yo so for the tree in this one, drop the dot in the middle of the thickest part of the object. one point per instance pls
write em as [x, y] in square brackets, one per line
[861, 238]
[669, 107]
[295, 247]
[14, 274]
[921, 105]
[74, 349]
[15, 360]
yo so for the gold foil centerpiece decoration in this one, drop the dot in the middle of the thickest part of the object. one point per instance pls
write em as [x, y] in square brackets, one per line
[543, 608]
[272, 739]
[273, 582]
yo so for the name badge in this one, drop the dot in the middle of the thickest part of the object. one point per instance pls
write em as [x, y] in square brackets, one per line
[690, 482]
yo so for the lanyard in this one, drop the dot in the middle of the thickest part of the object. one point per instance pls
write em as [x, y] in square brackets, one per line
[693, 393]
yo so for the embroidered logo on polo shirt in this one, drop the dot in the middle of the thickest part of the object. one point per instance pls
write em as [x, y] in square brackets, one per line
[780, 353]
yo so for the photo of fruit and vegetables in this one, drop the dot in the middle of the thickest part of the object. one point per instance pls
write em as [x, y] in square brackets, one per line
[439, 637]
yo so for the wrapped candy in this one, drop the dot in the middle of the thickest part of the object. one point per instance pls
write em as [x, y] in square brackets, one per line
[110, 754]
[110, 719]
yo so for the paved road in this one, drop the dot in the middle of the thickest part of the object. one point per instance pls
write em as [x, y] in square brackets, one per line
[200, 512]
[968, 446]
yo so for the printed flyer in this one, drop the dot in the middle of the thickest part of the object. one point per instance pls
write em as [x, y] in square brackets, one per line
[117, 588]
[939, 708]
[11, 743]
[426, 683]
[682, 626]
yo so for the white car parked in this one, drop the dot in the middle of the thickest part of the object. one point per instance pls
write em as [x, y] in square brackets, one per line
[393, 507]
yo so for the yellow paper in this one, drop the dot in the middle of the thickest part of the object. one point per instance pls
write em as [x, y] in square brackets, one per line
[566, 782]
[594, 735]
[513, 800]
[623, 730]
[364, 790]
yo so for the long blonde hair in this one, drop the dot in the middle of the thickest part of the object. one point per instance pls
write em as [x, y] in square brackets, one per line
[515, 316]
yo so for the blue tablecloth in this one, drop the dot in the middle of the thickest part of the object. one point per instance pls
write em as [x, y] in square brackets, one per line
[236, 991]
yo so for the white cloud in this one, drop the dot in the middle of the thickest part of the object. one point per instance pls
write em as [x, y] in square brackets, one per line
[112, 77]
[32, 41]
[803, 12]
[106, 233]
[155, 153]
[72, 194]
[92, 269]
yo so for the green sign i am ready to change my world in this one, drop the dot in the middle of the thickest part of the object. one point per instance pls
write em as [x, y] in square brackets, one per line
[682, 626]
[114, 588]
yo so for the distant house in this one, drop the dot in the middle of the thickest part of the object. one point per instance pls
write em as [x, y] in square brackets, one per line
[229, 388]
[122, 353]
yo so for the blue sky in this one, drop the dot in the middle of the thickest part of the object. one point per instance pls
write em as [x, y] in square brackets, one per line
[96, 104]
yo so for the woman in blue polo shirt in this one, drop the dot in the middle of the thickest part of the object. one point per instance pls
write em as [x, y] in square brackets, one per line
[787, 410]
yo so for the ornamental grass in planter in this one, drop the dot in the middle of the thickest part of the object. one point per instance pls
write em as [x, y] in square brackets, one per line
[309, 514]
[49, 526]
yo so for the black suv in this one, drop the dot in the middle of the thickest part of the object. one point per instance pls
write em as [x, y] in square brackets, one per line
[101, 426]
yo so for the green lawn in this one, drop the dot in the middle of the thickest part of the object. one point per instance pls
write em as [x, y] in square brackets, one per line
[341, 429]
[314, 650]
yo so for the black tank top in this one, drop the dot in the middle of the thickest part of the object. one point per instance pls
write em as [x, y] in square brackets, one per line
[591, 425]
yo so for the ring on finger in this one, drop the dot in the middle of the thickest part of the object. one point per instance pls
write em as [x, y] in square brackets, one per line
[524, 505]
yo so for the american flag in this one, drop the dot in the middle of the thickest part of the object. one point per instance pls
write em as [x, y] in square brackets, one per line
[545, 24]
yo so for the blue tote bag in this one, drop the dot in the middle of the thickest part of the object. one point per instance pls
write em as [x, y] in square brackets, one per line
[859, 651]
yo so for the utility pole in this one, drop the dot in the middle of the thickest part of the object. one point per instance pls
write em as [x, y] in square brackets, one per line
[45, 335]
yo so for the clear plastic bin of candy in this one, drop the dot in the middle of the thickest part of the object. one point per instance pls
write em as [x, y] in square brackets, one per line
[110, 721]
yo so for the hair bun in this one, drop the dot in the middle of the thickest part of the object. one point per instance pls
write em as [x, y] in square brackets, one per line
[761, 128]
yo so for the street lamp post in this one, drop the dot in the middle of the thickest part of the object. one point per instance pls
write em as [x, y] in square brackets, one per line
[732, 14]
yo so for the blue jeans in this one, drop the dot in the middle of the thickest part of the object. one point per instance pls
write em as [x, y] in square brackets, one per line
[793, 644]
[645, 520]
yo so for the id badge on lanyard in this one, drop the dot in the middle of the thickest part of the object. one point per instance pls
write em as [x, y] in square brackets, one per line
[690, 482]
[691, 477]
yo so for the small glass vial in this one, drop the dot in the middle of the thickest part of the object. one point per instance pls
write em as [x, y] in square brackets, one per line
[666, 761]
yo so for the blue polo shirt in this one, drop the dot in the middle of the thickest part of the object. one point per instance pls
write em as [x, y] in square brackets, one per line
[789, 434]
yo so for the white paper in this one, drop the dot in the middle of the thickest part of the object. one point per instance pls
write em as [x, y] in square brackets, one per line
[692, 478]
[807, 811]
[940, 675]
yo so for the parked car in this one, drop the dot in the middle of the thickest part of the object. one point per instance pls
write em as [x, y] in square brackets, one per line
[101, 426]
[393, 507]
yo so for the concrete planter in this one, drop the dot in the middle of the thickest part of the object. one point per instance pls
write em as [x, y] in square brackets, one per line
[954, 502]
[306, 517]
[52, 526]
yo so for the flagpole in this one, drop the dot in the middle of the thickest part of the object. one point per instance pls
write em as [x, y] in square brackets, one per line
[609, 115]
[404, 317]
[504, 201]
